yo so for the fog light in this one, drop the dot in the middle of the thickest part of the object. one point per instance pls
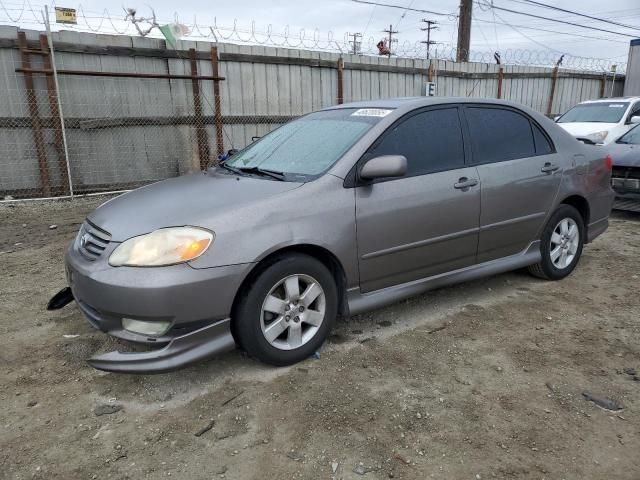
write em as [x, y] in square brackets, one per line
[145, 327]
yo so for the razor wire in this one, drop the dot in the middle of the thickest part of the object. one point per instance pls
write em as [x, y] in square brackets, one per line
[307, 39]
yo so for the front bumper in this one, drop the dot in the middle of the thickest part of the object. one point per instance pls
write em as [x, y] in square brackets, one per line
[196, 302]
[625, 182]
[184, 350]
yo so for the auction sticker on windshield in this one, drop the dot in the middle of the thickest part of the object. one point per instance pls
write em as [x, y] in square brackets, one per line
[371, 112]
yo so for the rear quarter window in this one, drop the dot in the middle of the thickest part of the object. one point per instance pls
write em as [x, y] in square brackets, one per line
[543, 146]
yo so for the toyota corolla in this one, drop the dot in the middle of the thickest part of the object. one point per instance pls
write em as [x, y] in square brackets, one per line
[337, 212]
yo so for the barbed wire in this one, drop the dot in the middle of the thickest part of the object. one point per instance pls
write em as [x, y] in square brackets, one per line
[26, 13]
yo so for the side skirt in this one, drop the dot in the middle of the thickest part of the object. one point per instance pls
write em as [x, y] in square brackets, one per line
[359, 302]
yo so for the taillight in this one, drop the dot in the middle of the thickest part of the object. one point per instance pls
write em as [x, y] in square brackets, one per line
[608, 161]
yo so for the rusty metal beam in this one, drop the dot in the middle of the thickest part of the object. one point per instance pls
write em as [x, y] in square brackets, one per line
[217, 102]
[340, 68]
[91, 73]
[36, 124]
[554, 80]
[201, 132]
[500, 78]
[55, 115]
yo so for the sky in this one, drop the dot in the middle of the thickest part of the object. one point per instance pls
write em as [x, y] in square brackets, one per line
[327, 22]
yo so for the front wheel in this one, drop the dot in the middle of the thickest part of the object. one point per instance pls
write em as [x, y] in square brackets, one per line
[561, 244]
[288, 310]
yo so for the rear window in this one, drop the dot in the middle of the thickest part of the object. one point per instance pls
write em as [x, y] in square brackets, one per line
[598, 112]
[498, 134]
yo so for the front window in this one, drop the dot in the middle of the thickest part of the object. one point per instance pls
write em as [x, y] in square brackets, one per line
[307, 147]
[632, 136]
[597, 112]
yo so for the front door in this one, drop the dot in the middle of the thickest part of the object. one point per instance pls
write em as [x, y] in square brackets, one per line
[427, 222]
[520, 174]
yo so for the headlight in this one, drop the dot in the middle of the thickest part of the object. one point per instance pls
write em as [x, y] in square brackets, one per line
[598, 137]
[166, 246]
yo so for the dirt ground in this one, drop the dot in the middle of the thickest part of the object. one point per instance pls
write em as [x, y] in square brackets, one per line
[477, 381]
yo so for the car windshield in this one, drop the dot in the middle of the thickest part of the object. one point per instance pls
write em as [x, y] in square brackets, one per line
[307, 147]
[597, 112]
[632, 136]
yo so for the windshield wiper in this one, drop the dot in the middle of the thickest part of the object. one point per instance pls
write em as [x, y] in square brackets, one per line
[262, 171]
[231, 169]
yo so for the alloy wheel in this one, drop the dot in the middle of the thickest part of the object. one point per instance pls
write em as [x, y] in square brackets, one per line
[565, 240]
[293, 311]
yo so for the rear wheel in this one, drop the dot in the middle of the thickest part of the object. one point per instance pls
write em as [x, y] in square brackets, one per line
[288, 310]
[561, 244]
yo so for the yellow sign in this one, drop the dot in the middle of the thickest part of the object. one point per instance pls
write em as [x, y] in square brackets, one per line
[66, 15]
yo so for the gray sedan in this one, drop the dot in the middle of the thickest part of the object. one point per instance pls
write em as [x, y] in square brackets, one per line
[626, 170]
[340, 211]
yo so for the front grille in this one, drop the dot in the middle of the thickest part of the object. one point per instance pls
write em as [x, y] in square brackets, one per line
[92, 241]
[625, 178]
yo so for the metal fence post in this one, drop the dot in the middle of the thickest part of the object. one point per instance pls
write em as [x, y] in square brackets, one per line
[57, 85]
[340, 68]
[554, 79]
[216, 101]
[201, 132]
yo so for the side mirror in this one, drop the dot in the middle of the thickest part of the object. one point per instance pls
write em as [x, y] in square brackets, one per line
[386, 166]
[556, 118]
[232, 152]
[635, 119]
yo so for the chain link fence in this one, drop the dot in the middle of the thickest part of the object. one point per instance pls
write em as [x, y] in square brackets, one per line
[120, 112]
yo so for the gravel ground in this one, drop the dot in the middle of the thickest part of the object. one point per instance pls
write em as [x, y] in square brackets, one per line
[477, 381]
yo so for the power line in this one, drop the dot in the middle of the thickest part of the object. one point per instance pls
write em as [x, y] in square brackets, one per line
[402, 8]
[535, 41]
[590, 37]
[553, 7]
[559, 21]
[404, 13]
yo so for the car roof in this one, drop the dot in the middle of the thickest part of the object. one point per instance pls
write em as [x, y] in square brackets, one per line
[613, 99]
[409, 103]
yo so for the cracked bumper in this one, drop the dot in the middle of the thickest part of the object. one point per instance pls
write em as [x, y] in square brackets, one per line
[192, 347]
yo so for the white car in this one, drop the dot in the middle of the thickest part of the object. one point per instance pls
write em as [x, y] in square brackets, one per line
[601, 121]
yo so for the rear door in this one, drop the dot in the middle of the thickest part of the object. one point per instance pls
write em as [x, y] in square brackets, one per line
[426, 222]
[520, 173]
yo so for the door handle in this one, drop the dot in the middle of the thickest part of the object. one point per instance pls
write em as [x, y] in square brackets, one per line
[549, 168]
[464, 183]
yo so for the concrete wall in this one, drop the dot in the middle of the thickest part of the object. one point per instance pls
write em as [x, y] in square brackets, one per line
[123, 132]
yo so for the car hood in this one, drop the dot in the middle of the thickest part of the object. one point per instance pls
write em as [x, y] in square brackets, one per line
[625, 155]
[579, 129]
[187, 200]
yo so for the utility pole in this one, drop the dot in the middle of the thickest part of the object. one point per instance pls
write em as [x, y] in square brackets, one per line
[391, 32]
[431, 25]
[355, 44]
[464, 31]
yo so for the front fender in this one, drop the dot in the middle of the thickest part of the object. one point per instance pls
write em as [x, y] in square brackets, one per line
[320, 213]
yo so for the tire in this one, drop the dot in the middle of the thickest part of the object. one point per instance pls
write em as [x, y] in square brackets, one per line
[275, 325]
[557, 235]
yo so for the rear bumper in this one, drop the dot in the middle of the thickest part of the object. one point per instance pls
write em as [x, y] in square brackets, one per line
[179, 352]
[596, 229]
